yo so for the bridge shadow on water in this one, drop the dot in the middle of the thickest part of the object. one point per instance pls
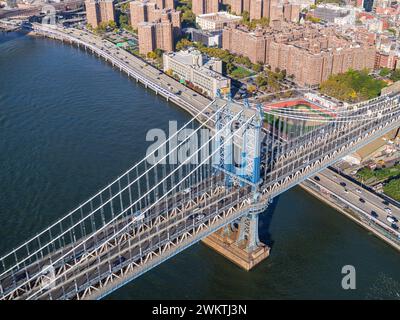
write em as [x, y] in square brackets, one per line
[11, 36]
[264, 223]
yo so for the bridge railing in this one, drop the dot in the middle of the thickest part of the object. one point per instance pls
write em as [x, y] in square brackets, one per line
[328, 148]
[81, 221]
[181, 180]
[292, 156]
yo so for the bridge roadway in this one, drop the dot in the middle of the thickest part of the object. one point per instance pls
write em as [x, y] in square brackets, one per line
[312, 148]
[36, 9]
[136, 248]
[161, 225]
[353, 136]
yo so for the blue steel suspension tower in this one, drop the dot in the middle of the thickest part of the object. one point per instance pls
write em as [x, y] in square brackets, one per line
[245, 148]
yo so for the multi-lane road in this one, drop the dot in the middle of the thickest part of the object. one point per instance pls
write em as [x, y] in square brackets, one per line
[101, 263]
[148, 71]
[36, 9]
[361, 199]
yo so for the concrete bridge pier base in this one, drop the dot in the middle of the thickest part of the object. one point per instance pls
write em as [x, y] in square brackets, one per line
[241, 245]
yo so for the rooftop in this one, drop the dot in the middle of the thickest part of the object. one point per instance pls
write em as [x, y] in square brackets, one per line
[221, 16]
[195, 59]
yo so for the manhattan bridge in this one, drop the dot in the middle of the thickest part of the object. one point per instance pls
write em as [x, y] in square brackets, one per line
[161, 206]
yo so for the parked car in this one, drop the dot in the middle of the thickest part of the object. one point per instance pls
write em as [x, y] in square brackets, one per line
[395, 226]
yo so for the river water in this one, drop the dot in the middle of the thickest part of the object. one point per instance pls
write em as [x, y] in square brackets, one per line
[70, 123]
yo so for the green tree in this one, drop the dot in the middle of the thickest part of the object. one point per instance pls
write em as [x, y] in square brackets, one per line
[112, 25]
[183, 44]
[159, 52]
[352, 86]
[392, 189]
[188, 17]
[261, 80]
[230, 67]
[152, 55]
[123, 20]
[258, 67]
[384, 72]
[395, 76]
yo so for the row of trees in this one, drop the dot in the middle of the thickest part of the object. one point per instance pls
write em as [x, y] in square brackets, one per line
[393, 75]
[252, 24]
[352, 86]
[102, 27]
[270, 80]
[230, 60]
[188, 17]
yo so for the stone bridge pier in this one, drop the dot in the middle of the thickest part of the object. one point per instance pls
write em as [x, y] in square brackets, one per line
[239, 242]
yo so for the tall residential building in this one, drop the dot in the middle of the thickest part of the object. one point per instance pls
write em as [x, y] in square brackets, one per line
[291, 12]
[164, 4]
[309, 53]
[144, 11]
[256, 9]
[92, 13]
[270, 9]
[107, 11]
[98, 11]
[153, 35]
[205, 6]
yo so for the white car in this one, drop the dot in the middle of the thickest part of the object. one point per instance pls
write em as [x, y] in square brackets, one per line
[388, 210]
[358, 191]
[390, 219]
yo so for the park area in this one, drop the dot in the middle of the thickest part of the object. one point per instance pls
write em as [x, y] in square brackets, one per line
[389, 176]
[310, 114]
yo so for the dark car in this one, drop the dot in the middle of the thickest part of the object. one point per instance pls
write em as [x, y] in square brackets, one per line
[20, 276]
[362, 200]
[317, 178]
[374, 214]
[395, 226]
[385, 202]
[343, 184]
[118, 261]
